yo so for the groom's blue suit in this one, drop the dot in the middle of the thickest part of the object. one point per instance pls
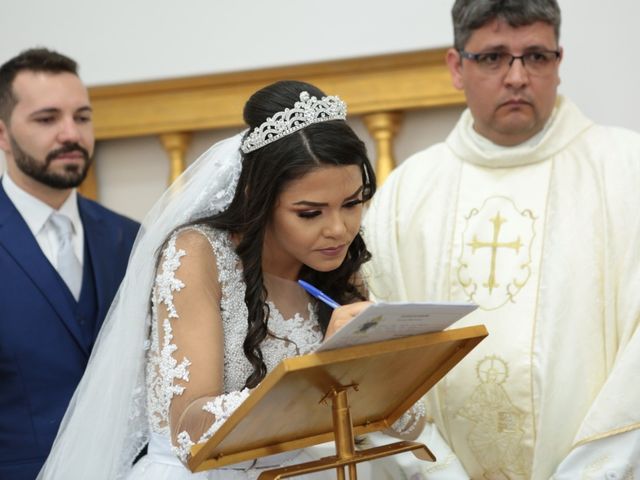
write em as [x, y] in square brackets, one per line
[46, 335]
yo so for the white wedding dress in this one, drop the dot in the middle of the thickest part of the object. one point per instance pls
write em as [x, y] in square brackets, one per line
[198, 300]
[172, 376]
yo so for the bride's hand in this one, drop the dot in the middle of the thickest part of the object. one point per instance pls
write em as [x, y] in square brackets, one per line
[343, 315]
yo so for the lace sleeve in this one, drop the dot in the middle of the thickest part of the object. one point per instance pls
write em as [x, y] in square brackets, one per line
[190, 342]
[410, 424]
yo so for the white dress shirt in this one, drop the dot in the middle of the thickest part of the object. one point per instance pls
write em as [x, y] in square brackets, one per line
[36, 214]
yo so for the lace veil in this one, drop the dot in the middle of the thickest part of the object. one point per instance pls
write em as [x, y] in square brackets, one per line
[105, 426]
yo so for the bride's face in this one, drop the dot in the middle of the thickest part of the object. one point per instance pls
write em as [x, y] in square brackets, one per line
[315, 219]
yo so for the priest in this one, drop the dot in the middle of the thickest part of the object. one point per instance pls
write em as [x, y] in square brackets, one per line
[531, 211]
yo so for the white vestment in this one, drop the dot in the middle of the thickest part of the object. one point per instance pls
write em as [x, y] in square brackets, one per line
[545, 238]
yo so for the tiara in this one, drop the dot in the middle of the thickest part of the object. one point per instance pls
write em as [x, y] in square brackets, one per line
[305, 112]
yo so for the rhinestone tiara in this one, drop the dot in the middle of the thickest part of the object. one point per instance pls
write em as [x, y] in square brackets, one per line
[305, 112]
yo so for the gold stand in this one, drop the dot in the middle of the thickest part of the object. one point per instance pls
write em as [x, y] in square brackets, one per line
[288, 410]
[346, 455]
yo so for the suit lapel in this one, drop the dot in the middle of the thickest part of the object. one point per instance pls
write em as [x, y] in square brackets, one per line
[99, 240]
[21, 245]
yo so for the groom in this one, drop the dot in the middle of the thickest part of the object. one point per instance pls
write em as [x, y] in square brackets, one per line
[62, 257]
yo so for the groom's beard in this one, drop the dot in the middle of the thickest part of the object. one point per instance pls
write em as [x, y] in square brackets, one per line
[72, 176]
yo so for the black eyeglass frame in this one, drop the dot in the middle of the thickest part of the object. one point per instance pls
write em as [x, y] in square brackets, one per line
[476, 56]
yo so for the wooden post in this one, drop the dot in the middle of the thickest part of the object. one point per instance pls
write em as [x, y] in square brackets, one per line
[383, 127]
[89, 187]
[176, 145]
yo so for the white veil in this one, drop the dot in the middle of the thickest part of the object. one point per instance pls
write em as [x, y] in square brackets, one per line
[105, 426]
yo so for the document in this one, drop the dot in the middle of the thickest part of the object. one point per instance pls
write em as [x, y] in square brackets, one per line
[389, 320]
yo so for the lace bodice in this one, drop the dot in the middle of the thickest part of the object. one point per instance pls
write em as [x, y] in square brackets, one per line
[196, 366]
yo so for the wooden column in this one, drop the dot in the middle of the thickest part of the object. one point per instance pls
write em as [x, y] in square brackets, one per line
[383, 127]
[89, 187]
[176, 145]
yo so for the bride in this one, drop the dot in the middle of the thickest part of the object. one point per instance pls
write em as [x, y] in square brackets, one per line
[210, 302]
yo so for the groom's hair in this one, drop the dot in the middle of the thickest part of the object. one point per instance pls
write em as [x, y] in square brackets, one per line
[34, 60]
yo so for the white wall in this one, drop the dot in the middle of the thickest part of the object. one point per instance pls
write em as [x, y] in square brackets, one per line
[123, 41]
[599, 70]
[128, 40]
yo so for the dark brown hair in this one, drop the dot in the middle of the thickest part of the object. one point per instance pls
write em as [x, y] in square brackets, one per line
[265, 173]
[35, 60]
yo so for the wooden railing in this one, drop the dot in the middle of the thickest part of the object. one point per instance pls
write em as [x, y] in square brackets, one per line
[379, 89]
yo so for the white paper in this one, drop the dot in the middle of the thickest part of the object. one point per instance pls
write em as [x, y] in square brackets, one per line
[385, 321]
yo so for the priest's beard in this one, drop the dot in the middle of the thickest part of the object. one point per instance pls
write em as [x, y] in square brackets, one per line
[73, 174]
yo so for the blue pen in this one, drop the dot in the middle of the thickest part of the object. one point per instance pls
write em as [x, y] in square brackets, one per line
[323, 297]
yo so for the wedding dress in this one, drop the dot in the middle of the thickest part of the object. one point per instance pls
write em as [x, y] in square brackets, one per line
[199, 284]
[172, 376]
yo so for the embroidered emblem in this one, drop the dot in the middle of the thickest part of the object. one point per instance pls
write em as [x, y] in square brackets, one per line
[496, 436]
[495, 258]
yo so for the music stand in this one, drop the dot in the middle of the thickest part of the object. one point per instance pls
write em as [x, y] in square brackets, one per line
[368, 387]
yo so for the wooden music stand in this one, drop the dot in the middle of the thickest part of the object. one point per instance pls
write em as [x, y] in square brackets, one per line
[368, 387]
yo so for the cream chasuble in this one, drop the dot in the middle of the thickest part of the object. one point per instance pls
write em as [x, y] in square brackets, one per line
[544, 238]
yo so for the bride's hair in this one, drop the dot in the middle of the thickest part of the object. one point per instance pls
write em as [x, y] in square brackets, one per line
[265, 173]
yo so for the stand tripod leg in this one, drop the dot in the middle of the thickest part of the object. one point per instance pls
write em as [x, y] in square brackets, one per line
[346, 456]
[353, 472]
[343, 430]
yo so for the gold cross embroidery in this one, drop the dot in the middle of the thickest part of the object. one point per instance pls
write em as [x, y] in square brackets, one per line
[494, 245]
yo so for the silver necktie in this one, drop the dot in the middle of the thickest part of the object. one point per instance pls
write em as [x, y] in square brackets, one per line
[69, 266]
